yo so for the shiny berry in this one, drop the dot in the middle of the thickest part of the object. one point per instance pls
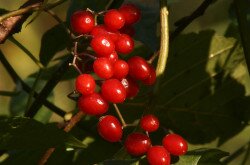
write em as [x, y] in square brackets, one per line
[82, 22]
[150, 80]
[137, 144]
[103, 30]
[124, 44]
[110, 128]
[85, 84]
[113, 19]
[138, 68]
[98, 30]
[113, 91]
[158, 155]
[131, 13]
[93, 104]
[175, 144]
[102, 45]
[113, 57]
[120, 69]
[103, 67]
[131, 86]
[149, 123]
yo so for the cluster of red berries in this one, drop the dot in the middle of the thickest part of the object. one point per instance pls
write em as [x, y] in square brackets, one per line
[119, 80]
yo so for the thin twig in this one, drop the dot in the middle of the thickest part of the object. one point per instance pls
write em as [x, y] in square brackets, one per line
[73, 63]
[25, 50]
[74, 120]
[185, 21]
[120, 115]
[26, 88]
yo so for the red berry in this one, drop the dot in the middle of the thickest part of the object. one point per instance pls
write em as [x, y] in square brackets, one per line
[150, 80]
[113, 57]
[102, 45]
[131, 86]
[82, 22]
[131, 13]
[98, 30]
[137, 144]
[103, 67]
[120, 69]
[114, 20]
[85, 84]
[93, 104]
[113, 91]
[102, 30]
[158, 155]
[149, 123]
[138, 68]
[124, 44]
[129, 30]
[175, 144]
[110, 128]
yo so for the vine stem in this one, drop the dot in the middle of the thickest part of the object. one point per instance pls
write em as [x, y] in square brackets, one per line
[74, 120]
[164, 44]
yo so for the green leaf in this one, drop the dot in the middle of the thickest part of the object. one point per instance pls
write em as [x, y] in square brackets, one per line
[18, 103]
[25, 133]
[206, 73]
[202, 157]
[53, 41]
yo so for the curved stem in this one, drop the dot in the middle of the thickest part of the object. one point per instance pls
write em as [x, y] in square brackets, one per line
[120, 116]
[164, 44]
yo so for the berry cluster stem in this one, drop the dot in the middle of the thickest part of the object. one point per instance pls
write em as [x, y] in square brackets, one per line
[75, 58]
[120, 116]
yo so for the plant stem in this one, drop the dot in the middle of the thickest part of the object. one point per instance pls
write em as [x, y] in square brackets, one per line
[20, 11]
[120, 115]
[185, 21]
[25, 50]
[164, 44]
[26, 88]
[74, 120]
[244, 161]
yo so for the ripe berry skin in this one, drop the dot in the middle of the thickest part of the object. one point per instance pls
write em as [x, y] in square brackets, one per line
[113, 91]
[138, 68]
[82, 22]
[110, 128]
[85, 84]
[150, 80]
[102, 45]
[137, 144]
[103, 30]
[103, 67]
[93, 104]
[158, 155]
[120, 69]
[131, 86]
[113, 57]
[124, 44]
[175, 144]
[149, 123]
[130, 13]
[114, 20]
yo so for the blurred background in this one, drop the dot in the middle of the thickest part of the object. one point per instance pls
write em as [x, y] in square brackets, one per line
[216, 18]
